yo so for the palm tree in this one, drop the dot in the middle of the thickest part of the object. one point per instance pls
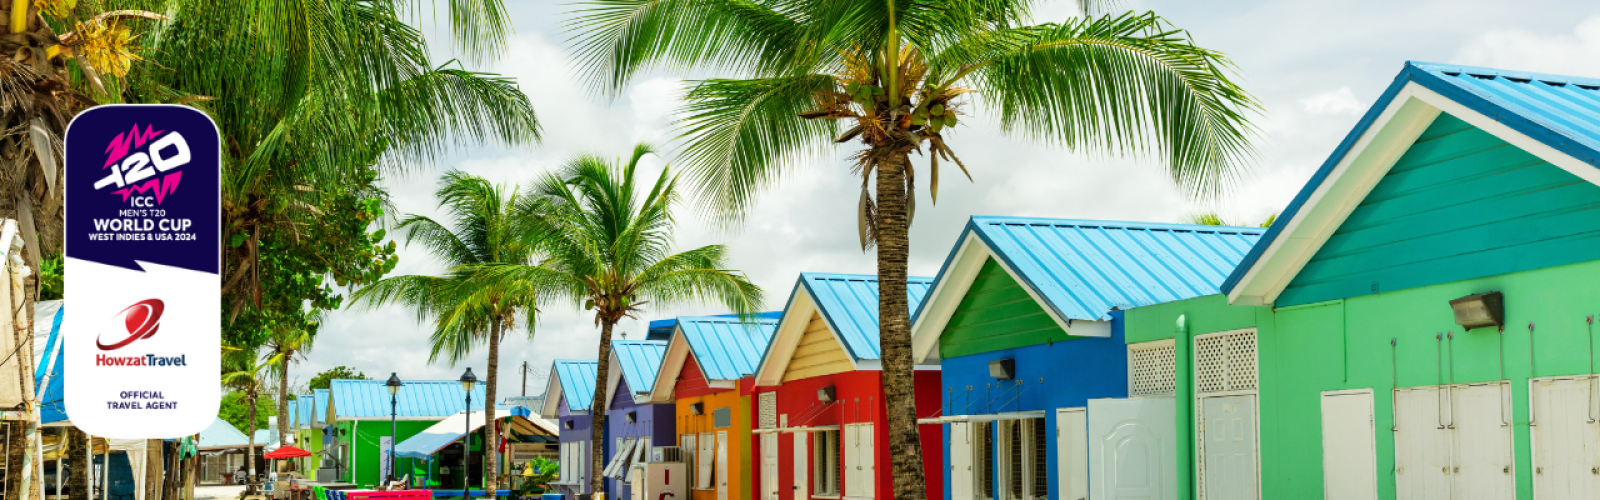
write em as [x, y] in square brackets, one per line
[482, 230]
[1215, 219]
[896, 75]
[286, 345]
[609, 248]
[336, 89]
[242, 371]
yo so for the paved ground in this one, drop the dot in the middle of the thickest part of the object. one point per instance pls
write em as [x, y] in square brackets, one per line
[218, 492]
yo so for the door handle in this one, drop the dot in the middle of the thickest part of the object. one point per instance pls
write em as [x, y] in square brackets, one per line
[1538, 470]
[1506, 469]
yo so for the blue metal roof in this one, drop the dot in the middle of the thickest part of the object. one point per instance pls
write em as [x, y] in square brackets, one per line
[725, 348]
[305, 411]
[222, 434]
[1083, 269]
[321, 411]
[661, 329]
[849, 303]
[640, 361]
[354, 399]
[1562, 112]
[577, 382]
[293, 414]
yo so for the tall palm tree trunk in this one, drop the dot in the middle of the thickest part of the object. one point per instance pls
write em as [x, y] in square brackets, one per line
[250, 433]
[283, 403]
[77, 480]
[597, 410]
[894, 320]
[491, 476]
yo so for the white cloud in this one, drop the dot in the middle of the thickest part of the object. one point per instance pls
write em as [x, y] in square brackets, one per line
[1341, 101]
[1567, 53]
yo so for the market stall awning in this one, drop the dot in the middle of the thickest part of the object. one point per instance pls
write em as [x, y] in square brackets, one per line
[449, 430]
[286, 452]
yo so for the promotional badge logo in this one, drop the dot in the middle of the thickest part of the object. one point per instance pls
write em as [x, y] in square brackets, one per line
[143, 331]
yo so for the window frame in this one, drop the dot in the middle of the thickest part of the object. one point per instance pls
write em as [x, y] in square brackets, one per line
[826, 464]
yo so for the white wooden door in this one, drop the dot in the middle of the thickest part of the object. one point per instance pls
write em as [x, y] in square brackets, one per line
[705, 478]
[960, 461]
[1566, 440]
[1072, 454]
[868, 458]
[1482, 467]
[858, 460]
[1421, 445]
[1228, 433]
[769, 466]
[1349, 452]
[1132, 449]
[722, 465]
[690, 460]
[802, 465]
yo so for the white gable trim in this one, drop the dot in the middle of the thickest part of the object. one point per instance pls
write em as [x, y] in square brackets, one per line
[1389, 136]
[671, 367]
[552, 395]
[941, 302]
[613, 377]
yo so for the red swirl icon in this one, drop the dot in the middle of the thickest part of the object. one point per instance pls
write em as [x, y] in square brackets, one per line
[140, 320]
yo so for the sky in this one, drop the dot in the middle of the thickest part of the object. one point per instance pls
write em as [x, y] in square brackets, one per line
[1315, 66]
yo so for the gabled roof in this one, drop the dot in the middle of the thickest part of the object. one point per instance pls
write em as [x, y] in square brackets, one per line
[637, 362]
[1556, 118]
[572, 381]
[322, 397]
[1082, 270]
[222, 434]
[724, 348]
[417, 400]
[293, 414]
[306, 410]
[848, 303]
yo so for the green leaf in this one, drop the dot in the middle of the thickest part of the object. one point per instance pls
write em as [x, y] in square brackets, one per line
[236, 240]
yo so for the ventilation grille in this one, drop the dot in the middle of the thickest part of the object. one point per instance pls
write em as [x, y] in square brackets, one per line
[769, 410]
[1225, 362]
[1153, 366]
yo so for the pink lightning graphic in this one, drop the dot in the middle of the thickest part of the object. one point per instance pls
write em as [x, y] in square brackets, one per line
[131, 139]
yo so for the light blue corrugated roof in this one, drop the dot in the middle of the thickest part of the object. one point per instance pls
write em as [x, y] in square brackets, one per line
[322, 397]
[222, 434]
[849, 303]
[305, 411]
[354, 399]
[577, 382]
[640, 361]
[725, 348]
[1083, 269]
[293, 413]
[1562, 112]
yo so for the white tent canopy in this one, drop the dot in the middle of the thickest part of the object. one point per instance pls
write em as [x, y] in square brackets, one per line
[449, 430]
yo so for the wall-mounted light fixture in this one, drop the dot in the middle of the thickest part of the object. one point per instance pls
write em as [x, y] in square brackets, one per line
[568, 424]
[1480, 310]
[1003, 369]
[697, 408]
[633, 416]
[827, 394]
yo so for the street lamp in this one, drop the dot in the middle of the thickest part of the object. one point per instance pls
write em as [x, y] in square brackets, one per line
[394, 436]
[467, 381]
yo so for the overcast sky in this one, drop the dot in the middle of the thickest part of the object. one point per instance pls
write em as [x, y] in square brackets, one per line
[1316, 66]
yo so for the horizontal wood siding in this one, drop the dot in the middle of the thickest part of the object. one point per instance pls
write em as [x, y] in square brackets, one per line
[1459, 204]
[818, 353]
[997, 313]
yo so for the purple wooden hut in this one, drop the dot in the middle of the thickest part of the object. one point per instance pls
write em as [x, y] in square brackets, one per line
[566, 401]
[633, 427]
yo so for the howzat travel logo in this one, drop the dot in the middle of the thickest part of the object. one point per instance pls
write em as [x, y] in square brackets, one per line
[143, 213]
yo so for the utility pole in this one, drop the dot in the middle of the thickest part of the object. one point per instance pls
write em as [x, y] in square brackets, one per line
[524, 379]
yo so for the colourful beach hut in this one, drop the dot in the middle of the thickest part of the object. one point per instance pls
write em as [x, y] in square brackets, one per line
[633, 425]
[821, 415]
[567, 397]
[1417, 324]
[1025, 318]
[707, 374]
[358, 416]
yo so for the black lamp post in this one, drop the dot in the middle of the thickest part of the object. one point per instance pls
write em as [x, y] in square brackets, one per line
[467, 381]
[394, 436]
